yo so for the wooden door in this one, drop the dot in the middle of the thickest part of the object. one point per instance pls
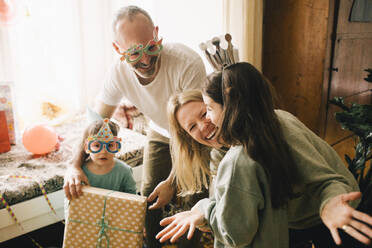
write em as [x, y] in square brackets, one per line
[352, 54]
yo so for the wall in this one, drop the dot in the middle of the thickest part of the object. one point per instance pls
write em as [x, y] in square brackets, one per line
[294, 48]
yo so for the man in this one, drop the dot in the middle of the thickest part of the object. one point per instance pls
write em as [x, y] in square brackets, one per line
[147, 74]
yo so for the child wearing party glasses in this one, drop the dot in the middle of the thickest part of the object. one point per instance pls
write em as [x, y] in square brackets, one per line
[101, 167]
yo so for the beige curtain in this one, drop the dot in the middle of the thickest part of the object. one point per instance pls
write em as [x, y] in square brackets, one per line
[5, 58]
[243, 20]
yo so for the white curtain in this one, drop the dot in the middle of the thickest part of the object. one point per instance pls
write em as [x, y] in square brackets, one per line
[59, 51]
[243, 19]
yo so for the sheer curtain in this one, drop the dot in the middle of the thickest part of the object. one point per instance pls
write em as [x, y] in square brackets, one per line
[59, 51]
[47, 59]
[243, 19]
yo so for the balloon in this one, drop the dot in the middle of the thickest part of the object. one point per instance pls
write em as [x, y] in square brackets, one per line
[7, 11]
[39, 139]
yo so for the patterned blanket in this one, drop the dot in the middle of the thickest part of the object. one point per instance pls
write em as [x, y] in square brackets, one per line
[49, 169]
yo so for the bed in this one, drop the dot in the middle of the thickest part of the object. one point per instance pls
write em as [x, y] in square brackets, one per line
[21, 174]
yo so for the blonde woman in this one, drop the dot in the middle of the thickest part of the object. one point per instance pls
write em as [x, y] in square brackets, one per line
[196, 150]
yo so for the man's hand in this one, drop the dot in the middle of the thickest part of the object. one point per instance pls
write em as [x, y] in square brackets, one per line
[338, 214]
[179, 223]
[73, 180]
[164, 192]
[124, 115]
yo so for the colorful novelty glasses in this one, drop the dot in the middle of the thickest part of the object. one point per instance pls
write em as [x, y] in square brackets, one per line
[135, 53]
[104, 138]
[95, 146]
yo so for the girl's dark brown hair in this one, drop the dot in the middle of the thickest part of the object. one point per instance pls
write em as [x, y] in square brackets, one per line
[248, 119]
[94, 128]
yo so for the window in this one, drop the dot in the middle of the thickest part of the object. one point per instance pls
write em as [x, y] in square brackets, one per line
[60, 50]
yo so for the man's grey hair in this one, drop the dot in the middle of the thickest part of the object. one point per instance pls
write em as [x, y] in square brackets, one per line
[129, 12]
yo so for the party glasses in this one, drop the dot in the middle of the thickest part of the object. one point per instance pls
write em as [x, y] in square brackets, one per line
[135, 53]
[95, 146]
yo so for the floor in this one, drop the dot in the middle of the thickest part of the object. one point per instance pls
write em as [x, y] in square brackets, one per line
[52, 237]
[49, 236]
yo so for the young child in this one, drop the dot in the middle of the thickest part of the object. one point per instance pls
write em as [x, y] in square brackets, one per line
[101, 167]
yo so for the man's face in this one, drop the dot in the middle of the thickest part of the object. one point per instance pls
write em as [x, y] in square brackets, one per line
[139, 31]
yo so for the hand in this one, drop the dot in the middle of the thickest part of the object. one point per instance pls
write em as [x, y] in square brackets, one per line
[124, 114]
[73, 182]
[164, 192]
[338, 214]
[178, 225]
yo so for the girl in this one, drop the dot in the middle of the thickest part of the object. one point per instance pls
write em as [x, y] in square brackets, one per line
[304, 175]
[101, 167]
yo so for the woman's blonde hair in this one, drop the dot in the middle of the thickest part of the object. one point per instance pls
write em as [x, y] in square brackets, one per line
[190, 158]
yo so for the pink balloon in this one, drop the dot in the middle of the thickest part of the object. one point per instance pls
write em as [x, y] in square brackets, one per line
[39, 139]
[7, 11]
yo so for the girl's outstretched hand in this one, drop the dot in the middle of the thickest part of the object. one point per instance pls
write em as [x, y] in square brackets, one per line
[338, 214]
[179, 223]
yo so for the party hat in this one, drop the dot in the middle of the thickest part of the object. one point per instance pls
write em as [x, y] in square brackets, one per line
[92, 116]
[105, 134]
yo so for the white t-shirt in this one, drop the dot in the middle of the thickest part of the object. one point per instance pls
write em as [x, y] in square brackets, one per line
[181, 68]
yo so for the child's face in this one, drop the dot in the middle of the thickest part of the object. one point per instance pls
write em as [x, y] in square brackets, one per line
[214, 110]
[103, 157]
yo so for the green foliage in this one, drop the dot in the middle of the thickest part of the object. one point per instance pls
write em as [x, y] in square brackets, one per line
[369, 76]
[358, 119]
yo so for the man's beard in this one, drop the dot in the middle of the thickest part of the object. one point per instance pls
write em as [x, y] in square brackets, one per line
[150, 71]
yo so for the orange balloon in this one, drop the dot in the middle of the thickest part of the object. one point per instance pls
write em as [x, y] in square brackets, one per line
[39, 139]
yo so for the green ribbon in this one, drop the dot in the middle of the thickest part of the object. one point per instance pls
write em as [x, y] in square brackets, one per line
[102, 233]
[104, 224]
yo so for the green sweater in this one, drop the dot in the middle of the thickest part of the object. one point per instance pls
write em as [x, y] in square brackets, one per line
[240, 213]
[322, 173]
[120, 178]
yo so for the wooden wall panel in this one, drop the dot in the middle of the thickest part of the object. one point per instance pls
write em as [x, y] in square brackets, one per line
[344, 26]
[294, 48]
[346, 146]
[352, 56]
[312, 53]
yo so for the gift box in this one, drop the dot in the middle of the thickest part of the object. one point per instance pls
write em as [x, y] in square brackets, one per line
[4, 138]
[7, 106]
[105, 218]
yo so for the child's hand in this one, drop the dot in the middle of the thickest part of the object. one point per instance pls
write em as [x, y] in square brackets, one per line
[73, 183]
